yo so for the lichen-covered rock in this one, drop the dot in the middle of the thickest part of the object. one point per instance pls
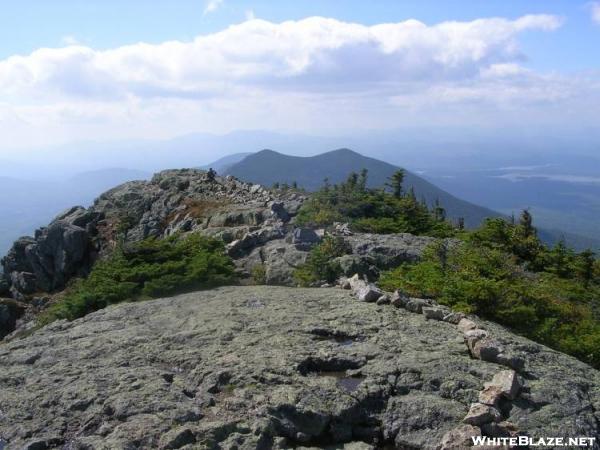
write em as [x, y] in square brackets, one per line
[490, 395]
[460, 437]
[368, 293]
[280, 260]
[388, 250]
[480, 414]
[508, 383]
[435, 312]
[420, 421]
[399, 299]
[416, 305]
[56, 253]
[270, 367]
[465, 325]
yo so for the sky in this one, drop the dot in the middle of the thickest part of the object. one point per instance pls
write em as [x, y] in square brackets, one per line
[91, 70]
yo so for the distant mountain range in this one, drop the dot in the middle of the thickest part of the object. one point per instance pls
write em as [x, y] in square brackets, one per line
[29, 199]
[267, 167]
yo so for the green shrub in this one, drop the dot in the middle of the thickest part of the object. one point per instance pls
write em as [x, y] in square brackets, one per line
[373, 210]
[480, 276]
[319, 265]
[259, 274]
[151, 268]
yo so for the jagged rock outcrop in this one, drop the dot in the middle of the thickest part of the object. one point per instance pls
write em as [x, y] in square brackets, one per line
[275, 367]
[172, 201]
[57, 252]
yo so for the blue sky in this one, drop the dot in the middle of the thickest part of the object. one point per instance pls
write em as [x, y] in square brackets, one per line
[157, 69]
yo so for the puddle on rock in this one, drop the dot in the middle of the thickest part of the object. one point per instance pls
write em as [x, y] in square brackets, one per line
[345, 342]
[342, 380]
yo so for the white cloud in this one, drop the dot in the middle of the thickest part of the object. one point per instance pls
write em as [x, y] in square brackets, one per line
[595, 11]
[212, 6]
[315, 72]
[313, 53]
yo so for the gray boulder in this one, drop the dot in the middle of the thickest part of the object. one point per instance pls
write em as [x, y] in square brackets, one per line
[388, 250]
[480, 414]
[55, 254]
[465, 325]
[281, 260]
[460, 437]
[435, 312]
[508, 383]
[416, 305]
[368, 293]
[278, 210]
[399, 299]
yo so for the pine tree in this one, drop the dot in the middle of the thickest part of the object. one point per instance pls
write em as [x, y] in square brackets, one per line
[362, 180]
[585, 266]
[395, 183]
[438, 211]
[526, 223]
[412, 195]
[352, 182]
[461, 223]
[294, 185]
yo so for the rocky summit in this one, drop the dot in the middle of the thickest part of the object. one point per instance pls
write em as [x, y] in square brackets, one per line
[274, 367]
[257, 224]
[172, 201]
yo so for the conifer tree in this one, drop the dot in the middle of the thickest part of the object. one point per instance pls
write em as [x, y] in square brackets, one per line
[585, 266]
[526, 223]
[395, 183]
[362, 180]
[352, 182]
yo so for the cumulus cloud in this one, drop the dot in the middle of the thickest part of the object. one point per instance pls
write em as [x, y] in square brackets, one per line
[311, 53]
[313, 72]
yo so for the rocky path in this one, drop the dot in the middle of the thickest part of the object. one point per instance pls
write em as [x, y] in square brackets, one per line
[271, 367]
